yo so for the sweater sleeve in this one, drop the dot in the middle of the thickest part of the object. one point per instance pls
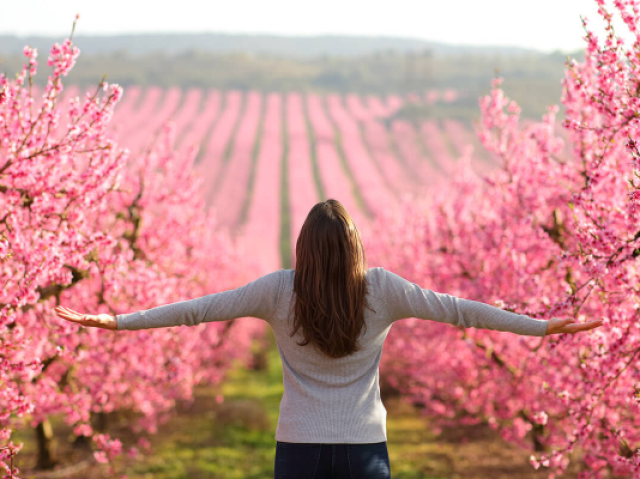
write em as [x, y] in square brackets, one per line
[257, 299]
[408, 300]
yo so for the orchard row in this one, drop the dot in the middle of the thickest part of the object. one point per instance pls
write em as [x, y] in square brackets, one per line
[265, 159]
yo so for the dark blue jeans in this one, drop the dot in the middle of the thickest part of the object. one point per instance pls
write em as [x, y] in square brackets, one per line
[331, 461]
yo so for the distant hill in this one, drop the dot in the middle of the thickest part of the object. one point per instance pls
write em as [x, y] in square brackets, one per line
[374, 65]
[274, 45]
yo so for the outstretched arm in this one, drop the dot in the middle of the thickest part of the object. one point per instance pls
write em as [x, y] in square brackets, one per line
[408, 300]
[256, 299]
[104, 321]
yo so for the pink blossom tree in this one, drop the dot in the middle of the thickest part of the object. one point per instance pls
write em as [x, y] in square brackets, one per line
[85, 225]
[547, 236]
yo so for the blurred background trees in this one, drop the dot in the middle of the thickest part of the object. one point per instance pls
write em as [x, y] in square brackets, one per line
[362, 65]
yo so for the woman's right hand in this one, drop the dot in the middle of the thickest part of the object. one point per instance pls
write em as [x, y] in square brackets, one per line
[104, 321]
[569, 325]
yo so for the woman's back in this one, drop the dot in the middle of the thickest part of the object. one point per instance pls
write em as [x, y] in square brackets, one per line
[331, 400]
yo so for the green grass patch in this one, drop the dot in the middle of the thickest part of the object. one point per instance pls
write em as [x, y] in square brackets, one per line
[285, 210]
[374, 160]
[254, 161]
[211, 129]
[235, 439]
[228, 150]
[395, 150]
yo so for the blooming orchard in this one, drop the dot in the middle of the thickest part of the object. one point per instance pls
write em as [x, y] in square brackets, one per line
[85, 224]
[553, 232]
[547, 236]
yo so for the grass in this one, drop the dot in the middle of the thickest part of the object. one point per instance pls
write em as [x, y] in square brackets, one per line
[257, 143]
[372, 156]
[228, 150]
[397, 153]
[236, 439]
[286, 248]
[232, 440]
[214, 124]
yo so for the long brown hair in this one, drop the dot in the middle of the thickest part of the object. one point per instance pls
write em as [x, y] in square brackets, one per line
[329, 280]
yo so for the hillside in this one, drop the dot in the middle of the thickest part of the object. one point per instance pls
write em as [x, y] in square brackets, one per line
[379, 66]
[276, 45]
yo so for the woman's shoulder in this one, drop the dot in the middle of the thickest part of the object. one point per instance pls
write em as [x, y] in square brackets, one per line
[376, 274]
[372, 274]
[287, 278]
[375, 270]
[374, 278]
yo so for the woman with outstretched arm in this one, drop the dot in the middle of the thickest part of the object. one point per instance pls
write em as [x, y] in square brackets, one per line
[330, 316]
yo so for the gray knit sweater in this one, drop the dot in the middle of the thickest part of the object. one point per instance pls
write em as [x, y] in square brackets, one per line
[328, 400]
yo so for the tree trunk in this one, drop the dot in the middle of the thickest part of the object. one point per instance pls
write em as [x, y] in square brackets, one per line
[45, 441]
[82, 442]
[99, 421]
[537, 432]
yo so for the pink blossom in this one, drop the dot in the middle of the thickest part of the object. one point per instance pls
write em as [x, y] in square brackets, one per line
[551, 232]
[77, 219]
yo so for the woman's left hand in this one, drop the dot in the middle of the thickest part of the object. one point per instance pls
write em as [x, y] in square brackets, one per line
[104, 321]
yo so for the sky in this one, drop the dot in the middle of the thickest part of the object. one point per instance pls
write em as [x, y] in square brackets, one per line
[544, 25]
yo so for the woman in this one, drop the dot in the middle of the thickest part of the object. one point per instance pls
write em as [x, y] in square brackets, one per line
[332, 422]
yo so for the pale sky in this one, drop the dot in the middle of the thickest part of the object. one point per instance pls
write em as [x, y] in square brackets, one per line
[540, 24]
